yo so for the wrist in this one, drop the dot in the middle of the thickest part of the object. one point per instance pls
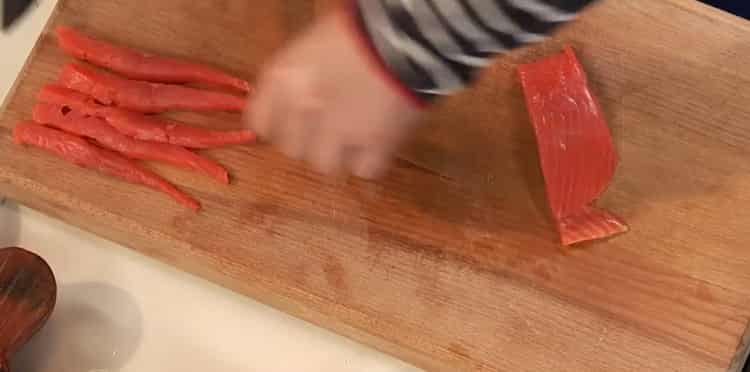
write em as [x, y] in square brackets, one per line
[352, 22]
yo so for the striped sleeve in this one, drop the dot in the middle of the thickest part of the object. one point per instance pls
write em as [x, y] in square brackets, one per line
[435, 47]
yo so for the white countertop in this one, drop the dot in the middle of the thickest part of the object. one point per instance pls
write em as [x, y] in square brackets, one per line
[120, 311]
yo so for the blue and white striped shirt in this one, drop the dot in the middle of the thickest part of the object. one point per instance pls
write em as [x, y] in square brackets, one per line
[435, 47]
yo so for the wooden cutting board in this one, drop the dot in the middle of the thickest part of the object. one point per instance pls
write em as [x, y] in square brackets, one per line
[457, 268]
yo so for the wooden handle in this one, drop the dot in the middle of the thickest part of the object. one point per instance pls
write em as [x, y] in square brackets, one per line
[27, 296]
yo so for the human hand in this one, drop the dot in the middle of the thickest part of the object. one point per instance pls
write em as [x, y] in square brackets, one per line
[322, 100]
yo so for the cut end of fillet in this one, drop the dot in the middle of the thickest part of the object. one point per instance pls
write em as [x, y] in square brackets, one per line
[244, 85]
[18, 132]
[188, 202]
[215, 170]
[66, 37]
[590, 224]
[87, 81]
[60, 95]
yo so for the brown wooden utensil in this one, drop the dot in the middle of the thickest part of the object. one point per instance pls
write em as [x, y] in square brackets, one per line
[27, 296]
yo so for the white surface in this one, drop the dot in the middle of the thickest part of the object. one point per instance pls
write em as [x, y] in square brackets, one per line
[120, 311]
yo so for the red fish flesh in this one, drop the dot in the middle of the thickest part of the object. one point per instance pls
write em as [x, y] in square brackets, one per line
[145, 127]
[138, 65]
[577, 156]
[85, 154]
[72, 121]
[143, 96]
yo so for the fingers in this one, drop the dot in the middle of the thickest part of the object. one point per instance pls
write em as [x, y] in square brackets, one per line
[301, 125]
[376, 154]
[326, 153]
[334, 152]
[288, 123]
[370, 164]
[262, 113]
[298, 131]
[297, 128]
[319, 100]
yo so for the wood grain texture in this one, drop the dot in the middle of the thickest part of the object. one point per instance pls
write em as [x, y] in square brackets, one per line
[27, 297]
[462, 272]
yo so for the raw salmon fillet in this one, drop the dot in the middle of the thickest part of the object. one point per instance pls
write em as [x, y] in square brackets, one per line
[577, 156]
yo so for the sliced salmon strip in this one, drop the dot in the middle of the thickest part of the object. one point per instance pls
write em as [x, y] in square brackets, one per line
[80, 152]
[143, 96]
[73, 121]
[139, 65]
[145, 127]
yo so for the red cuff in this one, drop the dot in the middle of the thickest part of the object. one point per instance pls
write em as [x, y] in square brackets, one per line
[363, 40]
